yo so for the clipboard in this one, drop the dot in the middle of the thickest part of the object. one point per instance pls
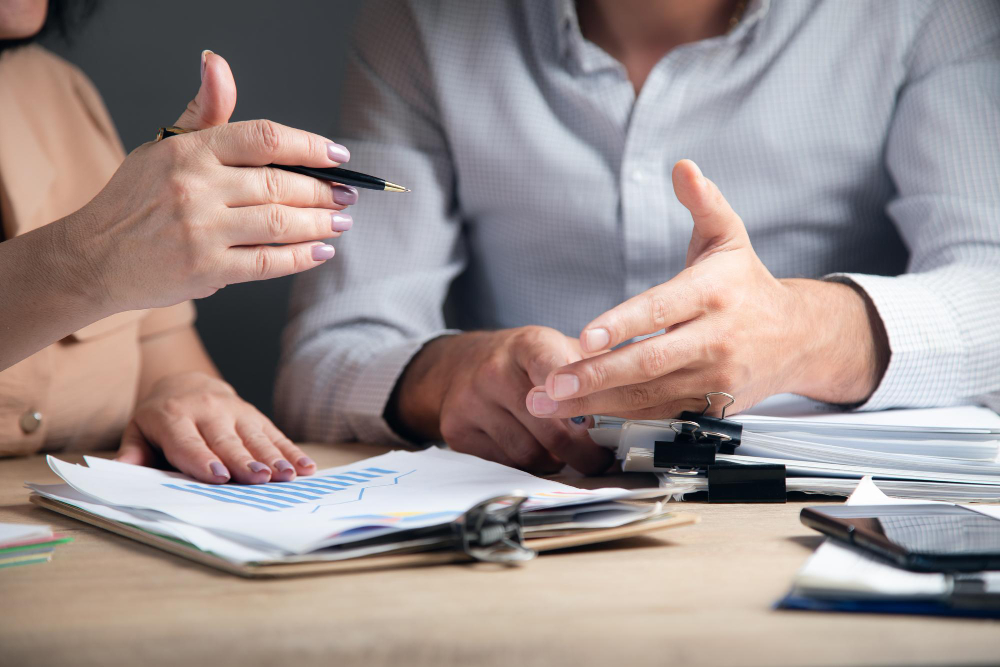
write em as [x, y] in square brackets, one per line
[401, 559]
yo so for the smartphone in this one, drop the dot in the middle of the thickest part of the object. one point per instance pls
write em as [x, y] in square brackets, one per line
[924, 538]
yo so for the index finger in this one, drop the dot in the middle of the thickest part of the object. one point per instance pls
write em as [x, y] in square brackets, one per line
[255, 143]
[675, 301]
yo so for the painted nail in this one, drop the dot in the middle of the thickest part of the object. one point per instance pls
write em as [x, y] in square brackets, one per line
[565, 385]
[341, 222]
[541, 404]
[204, 57]
[337, 153]
[256, 466]
[345, 195]
[281, 465]
[306, 462]
[596, 339]
[218, 469]
[322, 252]
[578, 420]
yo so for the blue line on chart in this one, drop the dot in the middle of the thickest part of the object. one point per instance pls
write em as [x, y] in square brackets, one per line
[361, 494]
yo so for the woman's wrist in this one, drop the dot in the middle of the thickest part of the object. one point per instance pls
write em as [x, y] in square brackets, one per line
[74, 273]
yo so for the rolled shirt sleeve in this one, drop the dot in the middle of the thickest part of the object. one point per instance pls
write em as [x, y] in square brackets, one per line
[357, 321]
[943, 153]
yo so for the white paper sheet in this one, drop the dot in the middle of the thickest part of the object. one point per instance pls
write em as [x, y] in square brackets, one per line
[384, 494]
[839, 571]
[15, 533]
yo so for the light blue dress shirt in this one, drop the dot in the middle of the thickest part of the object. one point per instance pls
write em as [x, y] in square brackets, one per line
[857, 140]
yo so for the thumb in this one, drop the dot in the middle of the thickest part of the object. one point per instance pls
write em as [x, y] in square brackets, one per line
[548, 352]
[216, 98]
[134, 449]
[716, 225]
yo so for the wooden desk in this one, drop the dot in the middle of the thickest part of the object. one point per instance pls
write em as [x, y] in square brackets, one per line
[699, 595]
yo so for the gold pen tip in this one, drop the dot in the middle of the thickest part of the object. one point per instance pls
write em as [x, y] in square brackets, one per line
[392, 187]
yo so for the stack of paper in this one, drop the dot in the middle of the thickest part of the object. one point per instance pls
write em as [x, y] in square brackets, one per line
[27, 544]
[944, 453]
[839, 577]
[338, 513]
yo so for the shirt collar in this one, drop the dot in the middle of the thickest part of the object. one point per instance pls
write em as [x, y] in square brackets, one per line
[572, 45]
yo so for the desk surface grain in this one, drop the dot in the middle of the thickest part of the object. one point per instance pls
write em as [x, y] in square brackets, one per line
[695, 595]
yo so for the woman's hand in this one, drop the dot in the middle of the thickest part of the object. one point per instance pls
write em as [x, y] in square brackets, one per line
[208, 432]
[186, 216]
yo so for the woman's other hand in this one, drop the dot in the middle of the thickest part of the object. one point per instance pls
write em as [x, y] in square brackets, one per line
[208, 432]
[189, 215]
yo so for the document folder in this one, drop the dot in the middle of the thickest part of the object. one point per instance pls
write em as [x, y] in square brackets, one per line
[313, 564]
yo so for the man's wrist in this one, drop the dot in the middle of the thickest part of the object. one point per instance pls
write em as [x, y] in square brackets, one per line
[840, 347]
[413, 410]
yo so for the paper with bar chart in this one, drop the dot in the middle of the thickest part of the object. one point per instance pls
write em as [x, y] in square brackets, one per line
[380, 495]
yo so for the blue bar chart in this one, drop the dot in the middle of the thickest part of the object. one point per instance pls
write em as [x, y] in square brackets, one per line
[278, 496]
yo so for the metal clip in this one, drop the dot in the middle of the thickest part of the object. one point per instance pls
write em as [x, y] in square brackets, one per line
[708, 402]
[492, 531]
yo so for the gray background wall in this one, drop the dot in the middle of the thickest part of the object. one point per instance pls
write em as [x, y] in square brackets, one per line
[287, 58]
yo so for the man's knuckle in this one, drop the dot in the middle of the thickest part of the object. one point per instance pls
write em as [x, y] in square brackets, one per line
[723, 348]
[653, 360]
[451, 426]
[597, 375]
[493, 369]
[638, 395]
[658, 308]
[713, 296]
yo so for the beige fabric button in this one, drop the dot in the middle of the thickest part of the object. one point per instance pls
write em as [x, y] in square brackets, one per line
[30, 421]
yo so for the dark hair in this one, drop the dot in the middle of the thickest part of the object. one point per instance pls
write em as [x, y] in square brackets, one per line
[62, 18]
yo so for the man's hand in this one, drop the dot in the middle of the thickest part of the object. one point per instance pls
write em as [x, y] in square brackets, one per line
[469, 389]
[728, 325]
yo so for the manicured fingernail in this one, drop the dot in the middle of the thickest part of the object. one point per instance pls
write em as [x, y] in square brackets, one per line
[281, 465]
[306, 462]
[256, 466]
[322, 252]
[341, 222]
[204, 57]
[345, 195]
[337, 153]
[596, 339]
[578, 420]
[565, 385]
[541, 404]
[218, 469]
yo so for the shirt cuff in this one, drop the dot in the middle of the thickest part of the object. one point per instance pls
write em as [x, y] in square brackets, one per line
[364, 408]
[927, 353]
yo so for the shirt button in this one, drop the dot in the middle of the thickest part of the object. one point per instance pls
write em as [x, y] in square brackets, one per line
[638, 175]
[30, 421]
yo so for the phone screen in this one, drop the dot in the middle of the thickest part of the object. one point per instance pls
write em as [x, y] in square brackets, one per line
[925, 537]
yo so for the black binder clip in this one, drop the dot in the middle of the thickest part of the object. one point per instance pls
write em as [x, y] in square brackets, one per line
[493, 531]
[746, 483]
[698, 438]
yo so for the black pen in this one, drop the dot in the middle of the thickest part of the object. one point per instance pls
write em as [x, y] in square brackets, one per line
[334, 174]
